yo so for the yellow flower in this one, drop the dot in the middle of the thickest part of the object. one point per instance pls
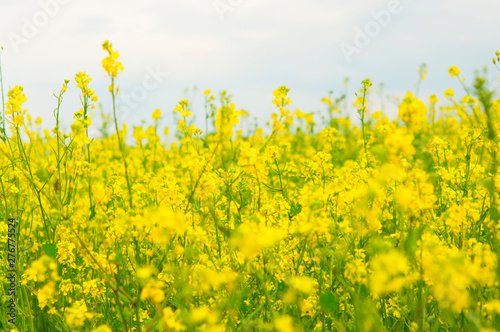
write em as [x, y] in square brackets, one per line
[454, 71]
[299, 114]
[388, 272]
[449, 93]
[284, 324]
[327, 101]
[413, 112]
[281, 92]
[193, 130]
[110, 65]
[144, 273]
[309, 119]
[199, 314]
[225, 120]
[303, 284]
[281, 101]
[171, 321]
[103, 328]
[377, 115]
[14, 105]
[156, 114]
[82, 80]
[46, 294]
[355, 268]
[433, 99]
[253, 235]
[154, 294]
[77, 314]
[492, 306]
[182, 108]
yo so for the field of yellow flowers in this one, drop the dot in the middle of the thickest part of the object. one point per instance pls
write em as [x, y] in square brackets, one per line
[389, 225]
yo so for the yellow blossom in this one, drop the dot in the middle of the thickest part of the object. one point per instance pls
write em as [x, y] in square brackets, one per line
[156, 114]
[454, 71]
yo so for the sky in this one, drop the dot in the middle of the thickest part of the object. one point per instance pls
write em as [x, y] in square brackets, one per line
[246, 47]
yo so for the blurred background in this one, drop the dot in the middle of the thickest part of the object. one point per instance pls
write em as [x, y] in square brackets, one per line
[176, 49]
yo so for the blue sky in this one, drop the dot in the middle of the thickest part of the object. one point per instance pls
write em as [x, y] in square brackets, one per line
[247, 47]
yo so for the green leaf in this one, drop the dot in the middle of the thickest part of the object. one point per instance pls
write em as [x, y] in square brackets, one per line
[295, 209]
[410, 243]
[328, 302]
[41, 174]
[50, 249]
[92, 213]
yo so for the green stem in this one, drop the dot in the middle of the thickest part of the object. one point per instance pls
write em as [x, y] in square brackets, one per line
[120, 144]
[3, 97]
[137, 316]
[85, 109]
[22, 153]
[59, 101]
[363, 108]
[154, 147]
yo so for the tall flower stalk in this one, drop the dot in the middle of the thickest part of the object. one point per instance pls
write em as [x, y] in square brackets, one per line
[113, 68]
[87, 100]
[362, 110]
[3, 98]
